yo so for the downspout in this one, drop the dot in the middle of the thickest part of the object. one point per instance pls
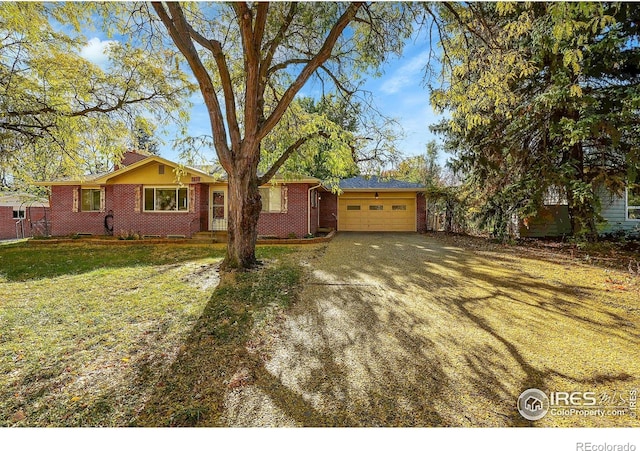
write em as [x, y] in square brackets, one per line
[309, 207]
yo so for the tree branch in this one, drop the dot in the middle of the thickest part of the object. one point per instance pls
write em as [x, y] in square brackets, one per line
[180, 34]
[285, 64]
[120, 103]
[215, 47]
[273, 45]
[323, 55]
[337, 82]
[261, 20]
[251, 68]
[286, 154]
[441, 35]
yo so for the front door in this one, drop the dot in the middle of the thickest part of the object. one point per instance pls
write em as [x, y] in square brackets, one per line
[218, 209]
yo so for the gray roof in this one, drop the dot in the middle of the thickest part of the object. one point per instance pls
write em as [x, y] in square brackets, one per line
[375, 182]
[216, 170]
[18, 199]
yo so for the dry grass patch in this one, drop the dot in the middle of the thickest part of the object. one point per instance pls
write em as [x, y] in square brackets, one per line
[88, 331]
[215, 358]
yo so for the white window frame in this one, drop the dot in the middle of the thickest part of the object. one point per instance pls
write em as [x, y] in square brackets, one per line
[155, 189]
[627, 207]
[93, 210]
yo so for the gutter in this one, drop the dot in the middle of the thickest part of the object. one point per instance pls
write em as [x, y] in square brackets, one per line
[309, 207]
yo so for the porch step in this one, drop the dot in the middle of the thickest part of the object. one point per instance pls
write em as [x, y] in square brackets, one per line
[209, 236]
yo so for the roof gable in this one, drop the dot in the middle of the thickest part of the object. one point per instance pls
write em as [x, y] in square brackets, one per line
[147, 171]
[21, 200]
[155, 170]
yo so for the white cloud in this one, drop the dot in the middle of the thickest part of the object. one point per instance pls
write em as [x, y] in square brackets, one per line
[406, 75]
[96, 51]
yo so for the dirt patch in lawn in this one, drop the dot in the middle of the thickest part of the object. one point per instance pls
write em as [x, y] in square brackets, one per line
[204, 276]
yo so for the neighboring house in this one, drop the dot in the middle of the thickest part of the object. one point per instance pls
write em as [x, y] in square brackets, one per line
[23, 215]
[143, 196]
[620, 213]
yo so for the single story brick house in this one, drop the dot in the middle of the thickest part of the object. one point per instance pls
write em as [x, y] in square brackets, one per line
[152, 196]
[23, 215]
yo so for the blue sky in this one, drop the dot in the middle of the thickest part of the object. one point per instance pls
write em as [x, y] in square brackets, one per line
[399, 93]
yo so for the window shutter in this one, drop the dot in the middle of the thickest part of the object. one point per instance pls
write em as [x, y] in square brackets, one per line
[76, 195]
[284, 192]
[192, 198]
[138, 200]
[102, 199]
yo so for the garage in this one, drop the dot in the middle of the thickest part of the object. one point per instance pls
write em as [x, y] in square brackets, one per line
[377, 212]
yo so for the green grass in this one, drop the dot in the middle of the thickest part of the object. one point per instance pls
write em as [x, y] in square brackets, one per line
[25, 261]
[88, 333]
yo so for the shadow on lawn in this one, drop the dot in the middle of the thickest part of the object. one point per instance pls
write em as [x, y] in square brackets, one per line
[401, 331]
[214, 357]
[23, 261]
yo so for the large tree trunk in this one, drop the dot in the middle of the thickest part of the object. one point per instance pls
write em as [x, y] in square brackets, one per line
[240, 156]
[244, 211]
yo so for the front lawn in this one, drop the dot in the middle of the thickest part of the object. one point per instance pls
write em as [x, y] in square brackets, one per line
[88, 332]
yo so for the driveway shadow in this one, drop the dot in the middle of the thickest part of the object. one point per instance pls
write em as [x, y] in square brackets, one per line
[403, 330]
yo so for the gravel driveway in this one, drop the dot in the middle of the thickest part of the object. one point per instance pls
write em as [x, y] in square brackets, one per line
[411, 330]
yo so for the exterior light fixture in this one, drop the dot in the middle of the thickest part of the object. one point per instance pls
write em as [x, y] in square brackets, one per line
[376, 195]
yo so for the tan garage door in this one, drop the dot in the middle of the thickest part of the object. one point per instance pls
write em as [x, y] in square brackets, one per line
[388, 213]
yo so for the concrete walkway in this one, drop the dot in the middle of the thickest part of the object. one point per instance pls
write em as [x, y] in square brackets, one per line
[408, 330]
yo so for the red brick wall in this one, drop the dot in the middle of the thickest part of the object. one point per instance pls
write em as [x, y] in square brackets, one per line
[293, 221]
[64, 221]
[421, 211]
[31, 224]
[126, 218]
[7, 223]
[121, 201]
[35, 213]
[328, 209]
[37, 220]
